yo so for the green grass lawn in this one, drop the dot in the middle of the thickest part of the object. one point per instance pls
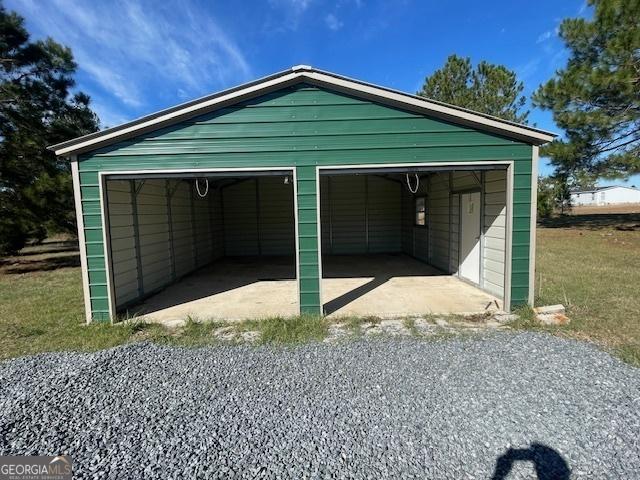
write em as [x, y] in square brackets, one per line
[591, 265]
[42, 311]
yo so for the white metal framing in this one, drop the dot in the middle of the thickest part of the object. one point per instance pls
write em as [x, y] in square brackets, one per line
[534, 214]
[84, 267]
[103, 177]
[509, 205]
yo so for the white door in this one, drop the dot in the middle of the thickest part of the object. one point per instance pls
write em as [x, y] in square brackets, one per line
[470, 236]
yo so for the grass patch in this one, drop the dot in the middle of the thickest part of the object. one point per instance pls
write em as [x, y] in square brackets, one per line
[355, 323]
[194, 333]
[410, 324]
[526, 319]
[43, 311]
[591, 264]
[282, 330]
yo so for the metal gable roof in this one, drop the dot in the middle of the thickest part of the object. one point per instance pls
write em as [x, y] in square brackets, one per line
[600, 189]
[299, 74]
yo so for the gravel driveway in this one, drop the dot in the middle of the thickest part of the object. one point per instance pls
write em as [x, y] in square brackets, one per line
[497, 406]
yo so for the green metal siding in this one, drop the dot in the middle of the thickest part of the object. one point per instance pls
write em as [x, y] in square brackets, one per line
[303, 127]
[308, 255]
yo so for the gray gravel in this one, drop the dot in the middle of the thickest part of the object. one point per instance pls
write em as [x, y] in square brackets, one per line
[394, 408]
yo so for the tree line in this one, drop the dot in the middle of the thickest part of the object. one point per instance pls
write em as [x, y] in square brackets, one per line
[595, 100]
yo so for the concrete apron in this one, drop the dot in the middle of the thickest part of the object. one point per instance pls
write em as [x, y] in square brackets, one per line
[384, 286]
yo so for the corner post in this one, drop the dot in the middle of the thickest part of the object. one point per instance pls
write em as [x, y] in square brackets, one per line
[82, 246]
[534, 213]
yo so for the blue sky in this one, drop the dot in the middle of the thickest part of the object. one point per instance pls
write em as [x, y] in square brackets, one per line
[139, 56]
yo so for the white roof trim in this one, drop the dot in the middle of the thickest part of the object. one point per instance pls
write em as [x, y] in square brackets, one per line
[609, 187]
[297, 74]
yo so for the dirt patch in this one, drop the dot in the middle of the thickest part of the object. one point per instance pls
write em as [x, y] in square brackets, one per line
[626, 208]
[594, 221]
[50, 255]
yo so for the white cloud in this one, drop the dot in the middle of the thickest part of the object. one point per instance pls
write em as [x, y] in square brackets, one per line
[333, 22]
[108, 116]
[289, 14]
[583, 8]
[299, 5]
[528, 70]
[113, 82]
[544, 36]
[139, 50]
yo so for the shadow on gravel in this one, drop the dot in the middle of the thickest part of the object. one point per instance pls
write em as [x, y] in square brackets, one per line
[548, 463]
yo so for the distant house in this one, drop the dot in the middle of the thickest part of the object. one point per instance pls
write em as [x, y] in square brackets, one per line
[614, 195]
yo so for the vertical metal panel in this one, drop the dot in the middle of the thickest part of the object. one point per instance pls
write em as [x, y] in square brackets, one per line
[202, 240]
[240, 219]
[276, 228]
[216, 224]
[384, 215]
[182, 229]
[153, 234]
[465, 180]
[256, 187]
[407, 220]
[136, 237]
[362, 214]
[347, 204]
[124, 245]
[326, 221]
[482, 228]
[366, 213]
[192, 216]
[168, 195]
[494, 231]
[439, 215]
[455, 233]
[415, 239]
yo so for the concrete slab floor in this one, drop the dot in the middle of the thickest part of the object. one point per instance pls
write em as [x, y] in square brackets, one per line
[389, 285]
[383, 285]
[228, 289]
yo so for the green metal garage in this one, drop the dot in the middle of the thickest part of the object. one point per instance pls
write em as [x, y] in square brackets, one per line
[306, 191]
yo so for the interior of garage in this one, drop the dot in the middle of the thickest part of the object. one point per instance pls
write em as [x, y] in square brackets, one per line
[413, 242]
[392, 243]
[202, 247]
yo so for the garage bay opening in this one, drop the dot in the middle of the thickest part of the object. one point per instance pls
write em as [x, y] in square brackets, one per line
[417, 240]
[217, 245]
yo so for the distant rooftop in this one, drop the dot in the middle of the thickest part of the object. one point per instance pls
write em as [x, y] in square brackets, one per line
[599, 189]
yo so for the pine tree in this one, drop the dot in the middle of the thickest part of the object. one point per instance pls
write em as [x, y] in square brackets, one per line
[36, 110]
[491, 89]
[595, 98]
